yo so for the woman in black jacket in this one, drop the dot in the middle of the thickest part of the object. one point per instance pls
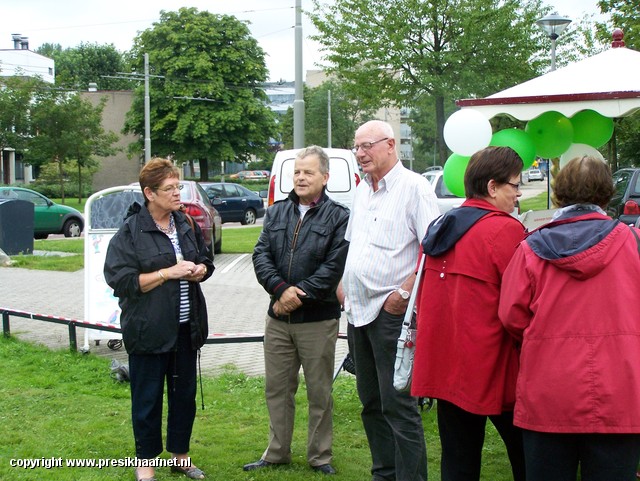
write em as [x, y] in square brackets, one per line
[154, 264]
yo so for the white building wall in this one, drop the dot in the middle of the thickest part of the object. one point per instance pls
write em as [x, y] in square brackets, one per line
[26, 63]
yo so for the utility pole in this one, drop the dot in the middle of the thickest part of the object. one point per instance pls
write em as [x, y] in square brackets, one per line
[147, 112]
[298, 104]
[329, 118]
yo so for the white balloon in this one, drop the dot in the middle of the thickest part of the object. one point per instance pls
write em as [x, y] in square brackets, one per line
[467, 131]
[579, 150]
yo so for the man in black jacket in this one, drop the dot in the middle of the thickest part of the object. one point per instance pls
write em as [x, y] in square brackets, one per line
[299, 260]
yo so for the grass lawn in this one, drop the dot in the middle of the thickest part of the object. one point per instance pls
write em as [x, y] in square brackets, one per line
[57, 404]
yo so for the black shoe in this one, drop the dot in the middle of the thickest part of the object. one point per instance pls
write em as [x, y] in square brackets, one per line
[259, 464]
[324, 469]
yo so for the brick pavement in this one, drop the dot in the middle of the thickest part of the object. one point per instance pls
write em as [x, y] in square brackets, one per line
[236, 304]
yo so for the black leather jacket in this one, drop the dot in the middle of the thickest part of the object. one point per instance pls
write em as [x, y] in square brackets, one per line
[309, 254]
[150, 320]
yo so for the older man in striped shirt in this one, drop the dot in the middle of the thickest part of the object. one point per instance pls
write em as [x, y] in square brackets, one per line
[390, 215]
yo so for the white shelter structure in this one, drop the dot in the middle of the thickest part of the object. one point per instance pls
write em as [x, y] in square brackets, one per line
[608, 83]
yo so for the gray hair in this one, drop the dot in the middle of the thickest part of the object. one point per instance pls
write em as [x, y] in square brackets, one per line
[322, 156]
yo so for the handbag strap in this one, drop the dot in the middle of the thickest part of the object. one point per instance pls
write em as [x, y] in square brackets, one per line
[408, 315]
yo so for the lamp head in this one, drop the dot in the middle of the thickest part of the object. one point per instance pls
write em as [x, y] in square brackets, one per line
[553, 25]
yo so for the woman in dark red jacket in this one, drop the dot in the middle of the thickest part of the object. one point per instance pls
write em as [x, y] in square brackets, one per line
[464, 357]
[570, 295]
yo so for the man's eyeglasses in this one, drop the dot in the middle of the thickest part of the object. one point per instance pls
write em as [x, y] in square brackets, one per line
[515, 186]
[366, 145]
[170, 189]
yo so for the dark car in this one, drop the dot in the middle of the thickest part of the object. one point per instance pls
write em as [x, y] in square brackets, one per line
[625, 203]
[235, 202]
[48, 217]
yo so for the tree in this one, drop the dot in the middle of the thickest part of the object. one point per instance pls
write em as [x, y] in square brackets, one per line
[397, 51]
[623, 15]
[15, 97]
[206, 97]
[625, 144]
[77, 67]
[346, 115]
[66, 127]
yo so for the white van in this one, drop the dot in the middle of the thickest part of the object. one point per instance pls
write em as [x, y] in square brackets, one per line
[344, 175]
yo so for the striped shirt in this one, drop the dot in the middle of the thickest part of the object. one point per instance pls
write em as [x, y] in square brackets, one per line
[385, 229]
[184, 285]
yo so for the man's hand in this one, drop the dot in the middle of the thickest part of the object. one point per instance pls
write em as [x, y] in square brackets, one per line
[395, 304]
[289, 301]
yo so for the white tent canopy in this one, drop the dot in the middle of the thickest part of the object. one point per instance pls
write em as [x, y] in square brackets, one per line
[608, 83]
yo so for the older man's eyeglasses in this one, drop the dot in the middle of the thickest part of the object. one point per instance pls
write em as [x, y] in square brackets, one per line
[170, 189]
[366, 145]
[515, 186]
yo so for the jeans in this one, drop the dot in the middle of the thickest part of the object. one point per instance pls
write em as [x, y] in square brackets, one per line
[601, 457]
[391, 419]
[148, 373]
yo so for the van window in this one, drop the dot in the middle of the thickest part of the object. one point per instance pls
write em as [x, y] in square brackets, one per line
[340, 175]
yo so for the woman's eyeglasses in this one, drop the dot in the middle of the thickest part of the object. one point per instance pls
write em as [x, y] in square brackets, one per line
[515, 186]
[170, 189]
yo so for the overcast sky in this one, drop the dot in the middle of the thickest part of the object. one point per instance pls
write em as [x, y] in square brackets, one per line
[70, 22]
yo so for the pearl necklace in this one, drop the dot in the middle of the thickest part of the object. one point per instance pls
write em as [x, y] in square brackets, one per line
[169, 230]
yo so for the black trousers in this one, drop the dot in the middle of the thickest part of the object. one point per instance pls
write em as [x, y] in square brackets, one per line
[148, 373]
[601, 457]
[391, 419]
[462, 438]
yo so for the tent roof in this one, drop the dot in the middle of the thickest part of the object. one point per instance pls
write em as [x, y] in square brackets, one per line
[608, 83]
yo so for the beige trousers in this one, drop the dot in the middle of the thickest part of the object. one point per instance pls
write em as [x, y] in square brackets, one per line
[287, 347]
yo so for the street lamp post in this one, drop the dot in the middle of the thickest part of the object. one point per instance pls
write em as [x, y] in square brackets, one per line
[552, 25]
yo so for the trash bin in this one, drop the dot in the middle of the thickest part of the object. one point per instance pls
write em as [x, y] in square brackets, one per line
[16, 226]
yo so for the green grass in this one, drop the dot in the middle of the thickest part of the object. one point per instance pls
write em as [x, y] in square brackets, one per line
[57, 404]
[240, 240]
[53, 263]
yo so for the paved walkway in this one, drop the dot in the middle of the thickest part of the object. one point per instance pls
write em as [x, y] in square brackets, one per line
[236, 304]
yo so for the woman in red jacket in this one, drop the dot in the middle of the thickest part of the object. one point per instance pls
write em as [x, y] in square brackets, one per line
[570, 295]
[464, 358]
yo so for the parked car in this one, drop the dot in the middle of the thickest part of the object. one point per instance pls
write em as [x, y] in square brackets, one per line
[250, 175]
[446, 200]
[199, 207]
[344, 175]
[234, 202]
[48, 217]
[535, 174]
[625, 203]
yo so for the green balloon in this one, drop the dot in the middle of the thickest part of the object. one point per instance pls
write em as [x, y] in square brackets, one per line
[591, 128]
[552, 134]
[518, 140]
[453, 173]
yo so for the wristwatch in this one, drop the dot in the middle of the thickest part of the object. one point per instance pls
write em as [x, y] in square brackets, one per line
[404, 294]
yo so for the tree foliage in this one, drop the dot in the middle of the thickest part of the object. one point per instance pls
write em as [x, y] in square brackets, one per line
[66, 127]
[623, 14]
[397, 51]
[346, 115]
[206, 97]
[77, 67]
[15, 97]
